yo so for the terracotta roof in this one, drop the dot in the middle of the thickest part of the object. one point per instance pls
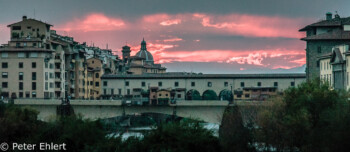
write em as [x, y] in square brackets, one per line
[31, 20]
[334, 35]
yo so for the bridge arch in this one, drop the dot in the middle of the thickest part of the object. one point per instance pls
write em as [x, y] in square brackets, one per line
[225, 95]
[193, 95]
[209, 95]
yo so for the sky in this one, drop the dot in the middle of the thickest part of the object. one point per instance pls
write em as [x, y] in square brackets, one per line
[223, 36]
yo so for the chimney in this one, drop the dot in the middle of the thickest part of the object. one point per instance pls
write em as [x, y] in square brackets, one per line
[328, 16]
[24, 18]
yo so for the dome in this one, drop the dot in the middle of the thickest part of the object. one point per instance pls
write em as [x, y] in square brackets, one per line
[144, 53]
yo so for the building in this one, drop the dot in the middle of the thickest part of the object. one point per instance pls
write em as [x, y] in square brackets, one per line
[95, 71]
[321, 37]
[198, 86]
[141, 63]
[334, 67]
[27, 61]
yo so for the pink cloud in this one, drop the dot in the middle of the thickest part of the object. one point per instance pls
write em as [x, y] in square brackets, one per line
[253, 25]
[300, 61]
[170, 22]
[93, 22]
[173, 40]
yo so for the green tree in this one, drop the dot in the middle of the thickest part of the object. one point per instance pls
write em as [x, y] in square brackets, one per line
[235, 135]
[303, 119]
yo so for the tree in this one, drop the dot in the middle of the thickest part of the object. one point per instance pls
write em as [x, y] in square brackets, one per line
[304, 119]
[235, 135]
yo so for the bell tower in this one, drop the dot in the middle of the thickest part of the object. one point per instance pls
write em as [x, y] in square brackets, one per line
[126, 53]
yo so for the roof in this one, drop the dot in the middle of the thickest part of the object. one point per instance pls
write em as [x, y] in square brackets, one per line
[30, 19]
[203, 76]
[334, 35]
[328, 23]
[145, 54]
[336, 54]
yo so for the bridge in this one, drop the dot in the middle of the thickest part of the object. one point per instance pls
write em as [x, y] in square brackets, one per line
[205, 110]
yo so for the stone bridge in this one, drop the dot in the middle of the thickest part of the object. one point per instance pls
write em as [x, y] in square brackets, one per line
[208, 111]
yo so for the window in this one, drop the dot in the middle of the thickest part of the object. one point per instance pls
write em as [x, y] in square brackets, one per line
[193, 84]
[51, 66]
[105, 83]
[4, 55]
[20, 76]
[225, 84]
[239, 96]
[46, 85]
[33, 54]
[4, 65]
[104, 91]
[179, 96]
[27, 94]
[33, 64]
[4, 84]
[51, 85]
[176, 84]
[4, 75]
[119, 91]
[21, 54]
[33, 94]
[51, 75]
[160, 84]
[46, 76]
[20, 65]
[247, 95]
[160, 94]
[20, 94]
[292, 84]
[128, 92]
[143, 84]
[275, 84]
[20, 86]
[18, 44]
[259, 84]
[319, 50]
[24, 43]
[97, 84]
[112, 91]
[318, 63]
[97, 75]
[34, 75]
[16, 27]
[209, 84]
[33, 85]
[242, 84]
[126, 83]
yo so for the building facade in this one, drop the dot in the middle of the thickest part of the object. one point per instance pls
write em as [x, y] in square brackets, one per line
[197, 86]
[334, 67]
[321, 37]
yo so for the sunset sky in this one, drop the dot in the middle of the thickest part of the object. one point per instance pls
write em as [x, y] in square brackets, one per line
[233, 36]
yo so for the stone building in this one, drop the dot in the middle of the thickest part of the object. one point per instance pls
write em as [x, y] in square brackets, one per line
[141, 63]
[197, 86]
[334, 67]
[321, 37]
